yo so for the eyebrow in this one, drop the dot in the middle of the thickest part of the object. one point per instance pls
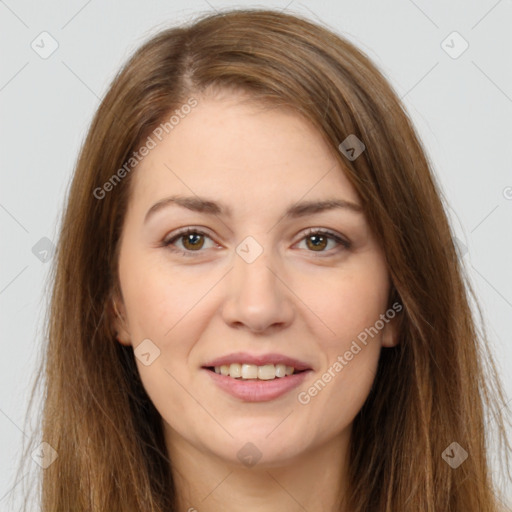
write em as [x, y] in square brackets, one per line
[208, 206]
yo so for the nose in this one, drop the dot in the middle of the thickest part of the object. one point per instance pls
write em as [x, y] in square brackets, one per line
[257, 297]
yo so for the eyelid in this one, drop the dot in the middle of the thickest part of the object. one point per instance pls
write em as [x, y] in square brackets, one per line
[183, 231]
[326, 232]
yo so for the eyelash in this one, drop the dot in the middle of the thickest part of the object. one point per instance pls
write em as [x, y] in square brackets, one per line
[309, 232]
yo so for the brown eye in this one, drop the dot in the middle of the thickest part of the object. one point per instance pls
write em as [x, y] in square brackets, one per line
[188, 242]
[193, 241]
[318, 242]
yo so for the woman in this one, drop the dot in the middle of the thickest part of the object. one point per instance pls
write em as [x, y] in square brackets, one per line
[258, 304]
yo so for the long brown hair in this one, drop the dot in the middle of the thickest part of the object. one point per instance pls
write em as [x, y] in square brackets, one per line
[431, 390]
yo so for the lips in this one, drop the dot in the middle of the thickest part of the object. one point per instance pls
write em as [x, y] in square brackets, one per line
[258, 360]
[255, 390]
[258, 378]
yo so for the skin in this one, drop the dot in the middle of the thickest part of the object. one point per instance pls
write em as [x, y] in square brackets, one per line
[292, 299]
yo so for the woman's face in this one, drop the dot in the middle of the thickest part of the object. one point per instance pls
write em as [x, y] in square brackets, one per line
[252, 285]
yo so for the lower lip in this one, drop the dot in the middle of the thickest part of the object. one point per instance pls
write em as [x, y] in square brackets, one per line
[253, 390]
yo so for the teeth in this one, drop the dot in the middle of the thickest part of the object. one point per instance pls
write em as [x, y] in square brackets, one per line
[281, 370]
[267, 372]
[251, 371]
[235, 370]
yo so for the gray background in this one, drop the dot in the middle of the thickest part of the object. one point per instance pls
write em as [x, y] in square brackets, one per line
[461, 107]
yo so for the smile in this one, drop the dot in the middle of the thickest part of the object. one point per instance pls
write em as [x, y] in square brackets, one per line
[255, 389]
[251, 371]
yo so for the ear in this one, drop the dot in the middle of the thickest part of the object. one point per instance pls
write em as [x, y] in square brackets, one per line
[119, 323]
[390, 332]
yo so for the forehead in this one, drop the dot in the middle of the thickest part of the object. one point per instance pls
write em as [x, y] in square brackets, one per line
[237, 150]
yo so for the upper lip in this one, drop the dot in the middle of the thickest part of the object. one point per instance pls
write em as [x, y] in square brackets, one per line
[258, 360]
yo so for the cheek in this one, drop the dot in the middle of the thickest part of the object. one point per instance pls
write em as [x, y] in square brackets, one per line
[346, 301]
[349, 308]
[165, 306]
[158, 297]
[166, 309]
